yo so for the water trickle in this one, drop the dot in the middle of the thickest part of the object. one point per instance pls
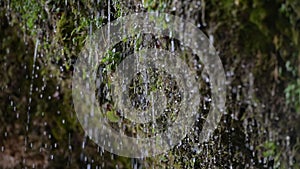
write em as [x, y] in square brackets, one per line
[31, 82]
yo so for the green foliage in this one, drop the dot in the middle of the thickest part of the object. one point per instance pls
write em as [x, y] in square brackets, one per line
[32, 13]
[270, 148]
[156, 5]
[292, 94]
[112, 117]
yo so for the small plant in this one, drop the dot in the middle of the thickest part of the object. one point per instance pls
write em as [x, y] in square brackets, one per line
[292, 94]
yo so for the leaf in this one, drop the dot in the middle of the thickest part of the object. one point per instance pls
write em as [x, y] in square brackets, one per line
[257, 17]
[268, 153]
[270, 145]
[112, 117]
[270, 149]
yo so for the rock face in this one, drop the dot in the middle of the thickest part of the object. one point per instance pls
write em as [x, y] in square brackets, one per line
[7, 161]
[258, 42]
[15, 154]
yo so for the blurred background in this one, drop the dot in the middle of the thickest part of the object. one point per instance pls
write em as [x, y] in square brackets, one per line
[257, 41]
